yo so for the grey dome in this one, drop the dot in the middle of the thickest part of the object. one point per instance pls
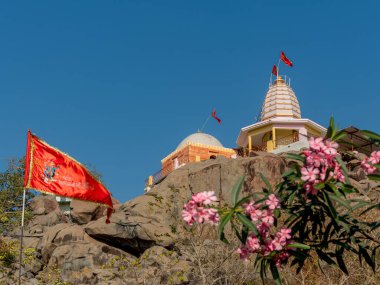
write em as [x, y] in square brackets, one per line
[200, 138]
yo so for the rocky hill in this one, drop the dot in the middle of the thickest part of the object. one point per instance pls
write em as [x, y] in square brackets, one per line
[146, 241]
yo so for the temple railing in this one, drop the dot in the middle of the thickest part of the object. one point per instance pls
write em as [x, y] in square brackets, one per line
[287, 140]
[154, 178]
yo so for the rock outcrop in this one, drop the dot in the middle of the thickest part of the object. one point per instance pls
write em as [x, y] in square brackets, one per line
[139, 246]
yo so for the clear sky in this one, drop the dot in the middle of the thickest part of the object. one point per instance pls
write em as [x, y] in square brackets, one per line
[118, 84]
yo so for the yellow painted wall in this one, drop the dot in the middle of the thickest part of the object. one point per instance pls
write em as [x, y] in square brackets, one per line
[281, 133]
[261, 130]
[312, 132]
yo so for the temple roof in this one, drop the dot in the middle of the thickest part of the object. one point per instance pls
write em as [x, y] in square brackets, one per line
[200, 138]
[280, 101]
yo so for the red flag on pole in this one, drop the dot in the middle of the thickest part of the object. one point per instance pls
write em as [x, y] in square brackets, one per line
[274, 70]
[213, 114]
[51, 171]
[286, 60]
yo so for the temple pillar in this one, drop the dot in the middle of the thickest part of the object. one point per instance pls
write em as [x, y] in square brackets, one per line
[303, 134]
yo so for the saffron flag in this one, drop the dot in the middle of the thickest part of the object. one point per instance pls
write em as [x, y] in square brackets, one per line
[213, 114]
[51, 171]
[286, 60]
[274, 70]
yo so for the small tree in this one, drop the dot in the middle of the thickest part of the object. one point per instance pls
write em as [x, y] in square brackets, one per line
[11, 192]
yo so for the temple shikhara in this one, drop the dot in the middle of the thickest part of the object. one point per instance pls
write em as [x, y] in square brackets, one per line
[280, 128]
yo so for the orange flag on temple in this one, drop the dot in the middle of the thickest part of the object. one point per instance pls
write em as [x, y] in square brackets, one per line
[51, 171]
[286, 60]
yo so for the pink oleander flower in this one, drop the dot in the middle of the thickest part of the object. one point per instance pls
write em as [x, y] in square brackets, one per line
[310, 189]
[263, 229]
[271, 245]
[267, 217]
[206, 197]
[248, 208]
[195, 212]
[315, 159]
[244, 253]
[281, 258]
[284, 235]
[316, 144]
[376, 156]
[338, 174]
[323, 172]
[330, 147]
[367, 167]
[309, 174]
[253, 243]
[273, 202]
[256, 215]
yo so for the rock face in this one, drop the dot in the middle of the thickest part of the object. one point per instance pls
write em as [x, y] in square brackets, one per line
[83, 212]
[139, 246]
[153, 218]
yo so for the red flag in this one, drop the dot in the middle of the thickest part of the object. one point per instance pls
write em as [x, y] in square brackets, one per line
[213, 114]
[286, 60]
[274, 70]
[51, 171]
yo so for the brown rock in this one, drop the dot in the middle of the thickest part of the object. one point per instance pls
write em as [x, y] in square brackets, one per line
[82, 212]
[154, 218]
[43, 204]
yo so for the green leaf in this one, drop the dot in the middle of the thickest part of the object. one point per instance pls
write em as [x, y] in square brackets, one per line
[248, 223]
[288, 173]
[329, 205]
[236, 190]
[223, 222]
[298, 245]
[370, 134]
[340, 261]
[370, 208]
[266, 182]
[375, 177]
[295, 157]
[236, 230]
[334, 189]
[330, 129]
[367, 258]
[359, 205]
[339, 135]
[277, 213]
[344, 169]
[275, 273]
[325, 257]
[340, 201]
[242, 201]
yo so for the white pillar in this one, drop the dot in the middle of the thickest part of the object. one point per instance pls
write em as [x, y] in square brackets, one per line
[302, 134]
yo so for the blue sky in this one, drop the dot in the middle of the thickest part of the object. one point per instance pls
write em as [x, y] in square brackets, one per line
[118, 84]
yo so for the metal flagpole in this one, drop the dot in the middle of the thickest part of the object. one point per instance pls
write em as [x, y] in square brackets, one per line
[22, 234]
[278, 67]
[205, 123]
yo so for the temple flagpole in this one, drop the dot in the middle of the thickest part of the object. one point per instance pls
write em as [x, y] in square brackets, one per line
[278, 67]
[205, 123]
[22, 235]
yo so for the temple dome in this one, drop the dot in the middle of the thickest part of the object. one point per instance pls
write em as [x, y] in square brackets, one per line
[280, 101]
[200, 138]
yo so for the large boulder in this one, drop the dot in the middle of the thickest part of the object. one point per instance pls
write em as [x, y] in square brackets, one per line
[83, 212]
[154, 218]
[69, 248]
[43, 204]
